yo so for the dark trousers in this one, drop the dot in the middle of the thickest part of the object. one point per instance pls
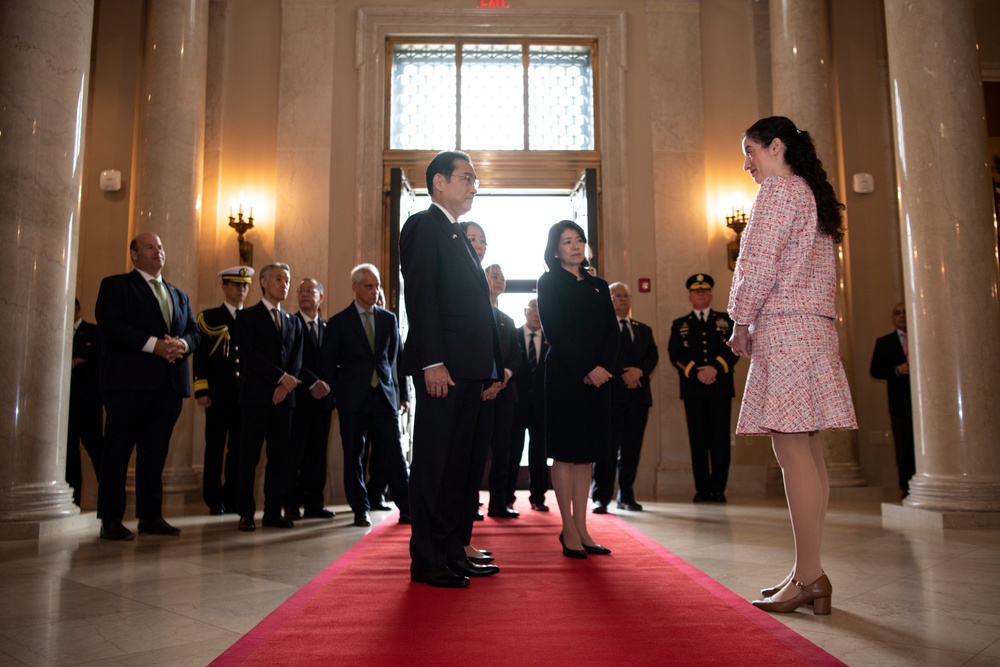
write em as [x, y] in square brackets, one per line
[442, 457]
[376, 482]
[377, 421]
[477, 468]
[906, 462]
[525, 421]
[140, 420]
[500, 450]
[708, 420]
[307, 455]
[628, 424]
[222, 426]
[272, 423]
[86, 422]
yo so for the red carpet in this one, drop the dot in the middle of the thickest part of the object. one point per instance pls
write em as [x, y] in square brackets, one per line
[640, 606]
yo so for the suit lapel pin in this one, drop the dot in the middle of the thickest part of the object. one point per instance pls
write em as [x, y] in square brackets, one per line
[454, 236]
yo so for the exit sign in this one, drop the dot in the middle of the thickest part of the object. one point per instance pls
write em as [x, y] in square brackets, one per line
[494, 4]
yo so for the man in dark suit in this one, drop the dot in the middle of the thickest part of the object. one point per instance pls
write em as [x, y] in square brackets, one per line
[313, 408]
[891, 362]
[148, 331]
[215, 389]
[451, 350]
[270, 342]
[86, 415]
[503, 404]
[705, 363]
[364, 346]
[529, 412]
[631, 399]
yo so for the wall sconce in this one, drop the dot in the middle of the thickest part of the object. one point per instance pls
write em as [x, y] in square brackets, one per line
[736, 222]
[242, 226]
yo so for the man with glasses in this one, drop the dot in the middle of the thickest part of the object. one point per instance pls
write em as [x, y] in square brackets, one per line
[452, 350]
[631, 399]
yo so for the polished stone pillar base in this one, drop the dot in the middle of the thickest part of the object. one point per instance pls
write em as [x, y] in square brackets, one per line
[903, 516]
[40, 530]
[953, 494]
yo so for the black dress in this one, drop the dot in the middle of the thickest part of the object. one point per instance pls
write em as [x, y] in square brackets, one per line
[580, 326]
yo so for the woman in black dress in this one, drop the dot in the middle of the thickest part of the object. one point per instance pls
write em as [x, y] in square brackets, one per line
[580, 325]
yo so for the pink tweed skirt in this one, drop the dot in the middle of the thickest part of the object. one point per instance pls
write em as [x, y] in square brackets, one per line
[796, 382]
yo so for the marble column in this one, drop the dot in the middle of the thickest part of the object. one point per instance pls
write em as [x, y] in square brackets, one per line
[949, 253]
[802, 89]
[170, 167]
[45, 50]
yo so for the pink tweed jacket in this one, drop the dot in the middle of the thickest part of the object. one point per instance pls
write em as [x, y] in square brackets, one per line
[786, 265]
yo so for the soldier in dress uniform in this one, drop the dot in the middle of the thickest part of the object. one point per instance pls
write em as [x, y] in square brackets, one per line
[705, 363]
[215, 389]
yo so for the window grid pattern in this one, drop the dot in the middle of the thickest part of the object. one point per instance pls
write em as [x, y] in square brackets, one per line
[492, 97]
[424, 96]
[425, 92]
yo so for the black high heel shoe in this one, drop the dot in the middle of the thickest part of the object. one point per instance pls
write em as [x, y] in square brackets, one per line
[571, 553]
[597, 550]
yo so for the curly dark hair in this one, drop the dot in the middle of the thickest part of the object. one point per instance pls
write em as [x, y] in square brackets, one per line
[800, 155]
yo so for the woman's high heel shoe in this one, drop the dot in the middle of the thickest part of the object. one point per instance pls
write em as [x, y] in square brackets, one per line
[596, 550]
[819, 592]
[571, 553]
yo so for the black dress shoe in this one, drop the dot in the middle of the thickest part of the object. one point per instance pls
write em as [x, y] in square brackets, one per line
[276, 521]
[718, 498]
[540, 507]
[381, 507]
[116, 531]
[216, 509]
[467, 568]
[362, 519]
[439, 577]
[631, 507]
[317, 513]
[571, 553]
[478, 516]
[247, 524]
[481, 560]
[596, 550]
[157, 527]
[699, 498]
[405, 519]
[600, 508]
[503, 513]
[293, 514]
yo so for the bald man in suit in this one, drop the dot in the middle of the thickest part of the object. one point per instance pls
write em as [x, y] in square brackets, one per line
[148, 332]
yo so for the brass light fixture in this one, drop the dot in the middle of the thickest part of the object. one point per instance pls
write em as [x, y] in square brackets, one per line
[736, 222]
[242, 226]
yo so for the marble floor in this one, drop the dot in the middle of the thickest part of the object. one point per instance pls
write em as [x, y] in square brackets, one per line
[913, 597]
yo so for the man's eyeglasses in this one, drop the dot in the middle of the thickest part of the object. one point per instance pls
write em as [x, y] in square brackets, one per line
[469, 179]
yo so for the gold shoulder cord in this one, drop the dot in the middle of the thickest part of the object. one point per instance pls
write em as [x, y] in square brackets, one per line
[219, 333]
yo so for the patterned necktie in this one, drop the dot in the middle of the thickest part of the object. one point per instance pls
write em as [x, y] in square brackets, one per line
[370, 333]
[276, 314]
[532, 354]
[161, 296]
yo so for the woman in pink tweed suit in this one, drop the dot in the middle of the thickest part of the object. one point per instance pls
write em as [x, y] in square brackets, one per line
[783, 305]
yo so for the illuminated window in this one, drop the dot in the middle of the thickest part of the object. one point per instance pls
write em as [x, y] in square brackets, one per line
[482, 96]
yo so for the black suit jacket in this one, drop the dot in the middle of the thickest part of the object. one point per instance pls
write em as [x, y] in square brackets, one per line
[352, 360]
[264, 356]
[888, 354]
[447, 300]
[512, 354]
[128, 314]
[695, 343]
[531, 383]
[641, 353]
[315, 362]
[215, 372]
[85, 379]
